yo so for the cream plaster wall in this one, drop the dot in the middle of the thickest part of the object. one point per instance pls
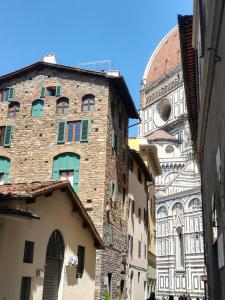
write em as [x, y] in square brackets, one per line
[56, 212]
[138, 230]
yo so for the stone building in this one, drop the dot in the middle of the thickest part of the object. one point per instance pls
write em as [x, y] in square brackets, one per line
[55, 242]
[203, 53]
[59, 122]
[149, 155]
[179, 239]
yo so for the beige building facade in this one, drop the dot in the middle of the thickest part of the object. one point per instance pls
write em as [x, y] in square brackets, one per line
[149, 155]
[47, 243]
[59, 122]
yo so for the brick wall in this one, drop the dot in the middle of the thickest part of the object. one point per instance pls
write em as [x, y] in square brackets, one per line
[34, 145]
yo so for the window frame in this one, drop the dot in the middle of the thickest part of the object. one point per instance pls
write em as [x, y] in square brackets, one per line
[65, 108]
[28, 254]
[90, 103]
[14, 109]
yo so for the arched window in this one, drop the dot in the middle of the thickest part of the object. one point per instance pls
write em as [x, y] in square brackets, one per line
[62, 106]
[14, 109]
[162, 212]
[66, 166]
[4, 169]
[194, 204]
[37, 108]
[88, 103]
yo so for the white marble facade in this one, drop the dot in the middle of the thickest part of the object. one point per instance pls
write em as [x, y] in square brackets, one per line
[179, 235]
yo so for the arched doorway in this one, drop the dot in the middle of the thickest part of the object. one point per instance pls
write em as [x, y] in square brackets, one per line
[53, 266]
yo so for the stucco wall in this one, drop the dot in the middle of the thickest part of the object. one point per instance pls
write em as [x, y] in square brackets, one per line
[56, 212]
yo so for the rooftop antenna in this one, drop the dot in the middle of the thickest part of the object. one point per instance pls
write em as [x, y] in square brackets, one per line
[97, 65]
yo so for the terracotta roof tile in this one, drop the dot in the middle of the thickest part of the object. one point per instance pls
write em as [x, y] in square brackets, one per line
[166, 58]
[160, 135]
[20, 189]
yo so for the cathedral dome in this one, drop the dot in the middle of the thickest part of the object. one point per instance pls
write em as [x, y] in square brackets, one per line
[165, 57]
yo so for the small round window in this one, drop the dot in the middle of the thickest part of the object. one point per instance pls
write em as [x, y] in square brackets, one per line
[169, 149]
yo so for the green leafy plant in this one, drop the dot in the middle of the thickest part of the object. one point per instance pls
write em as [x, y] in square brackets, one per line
[107, 295]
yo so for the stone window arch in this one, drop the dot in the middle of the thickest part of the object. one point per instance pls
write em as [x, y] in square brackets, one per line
[13, 110]
[66, 166]
[62, 106]
[88, 103]
[162, 212]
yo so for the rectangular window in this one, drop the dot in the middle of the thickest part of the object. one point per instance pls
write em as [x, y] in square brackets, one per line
[7, 94]
[139, 249]
[73, 131]
[28, 252]
[139, 175]
[139, 215]
[25, 288]
[130, 245]
[51, 90]
[67, 175]
[2, 135]
[81, 261]
[145, 251]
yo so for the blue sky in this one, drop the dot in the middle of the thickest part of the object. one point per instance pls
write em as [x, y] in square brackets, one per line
[124, 31]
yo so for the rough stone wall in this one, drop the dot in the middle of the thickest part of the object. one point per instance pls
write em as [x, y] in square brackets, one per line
[34, 145]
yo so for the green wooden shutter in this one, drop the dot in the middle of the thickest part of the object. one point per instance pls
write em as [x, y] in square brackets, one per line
[7, 136]
[61, 132]
[5, 168]
[75, 180]
[55, 172]
[42, 93]
[11, 94]
[58, 91]
[84, 130]
[37, 108]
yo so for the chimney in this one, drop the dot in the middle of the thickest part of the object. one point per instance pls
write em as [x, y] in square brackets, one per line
[50, 58]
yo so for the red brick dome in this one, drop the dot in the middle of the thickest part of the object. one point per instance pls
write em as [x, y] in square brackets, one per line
[165, 57]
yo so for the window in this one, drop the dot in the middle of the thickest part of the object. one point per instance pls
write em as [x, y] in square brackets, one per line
[28, 252]
[113, 191]
[62, 106]
[5, 135]
[25, 288]
[139, 175]
[139, 276]
[111, 235]
[88, 102]
[51, 91]
[67, 175]
[139, 249]
[72, 131]
[37, 108]
[7, 94]
[4, 169]
[145, 251]
[130, 245]
[69, 162]
[81, 261]
[139, 215]
[14, 109]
